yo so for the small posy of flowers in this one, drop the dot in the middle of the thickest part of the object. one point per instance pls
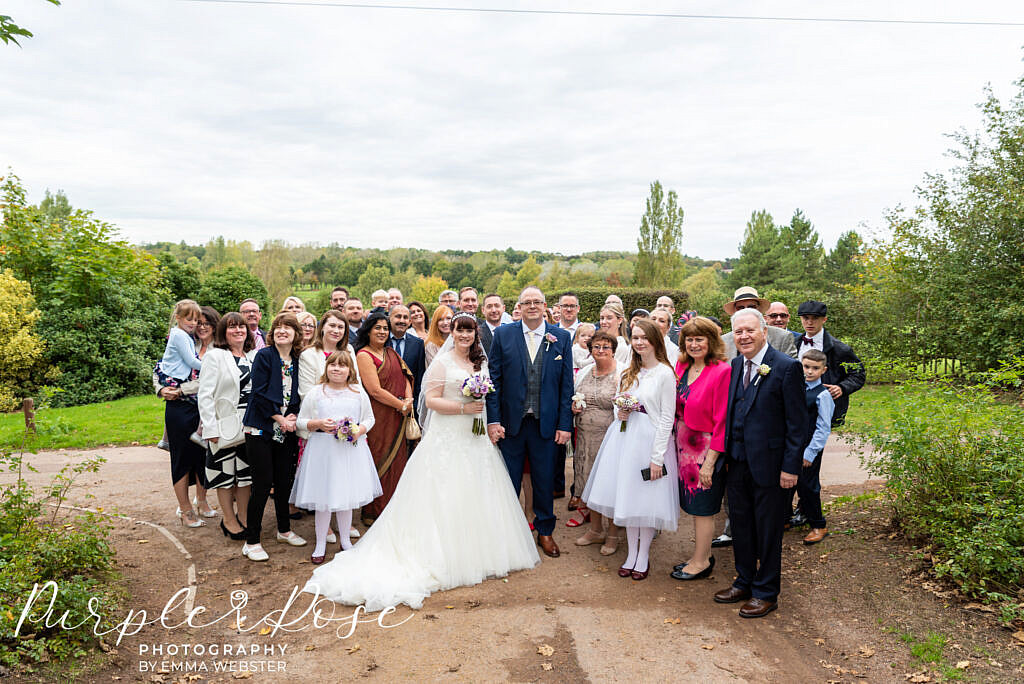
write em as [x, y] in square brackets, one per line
[550, 339]
[477, 386]
[346, 429]
[579, 401]
[626, 402]
[763, 370]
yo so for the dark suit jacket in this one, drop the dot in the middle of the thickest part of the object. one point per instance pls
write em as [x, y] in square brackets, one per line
[352, 337]
[268, 391]
[844, 369]
[507, 364]
[486, 336]
[776, 420]
[416, 359]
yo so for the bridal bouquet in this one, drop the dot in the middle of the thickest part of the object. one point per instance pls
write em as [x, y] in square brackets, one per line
[478, 386]
[346, 430]
[626, 402]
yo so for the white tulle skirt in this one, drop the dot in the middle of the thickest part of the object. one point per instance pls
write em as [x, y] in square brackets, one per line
[617, 490]
[454, 520]
[335, 475]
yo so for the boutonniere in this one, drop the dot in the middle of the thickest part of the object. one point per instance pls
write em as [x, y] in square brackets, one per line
[762, 370]
[549, 338]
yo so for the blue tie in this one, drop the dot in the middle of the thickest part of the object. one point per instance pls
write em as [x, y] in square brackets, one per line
[399, 345]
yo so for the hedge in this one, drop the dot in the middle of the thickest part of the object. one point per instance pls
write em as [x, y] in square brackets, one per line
[592, 299]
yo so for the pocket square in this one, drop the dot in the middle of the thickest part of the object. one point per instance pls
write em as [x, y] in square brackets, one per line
[558, 358]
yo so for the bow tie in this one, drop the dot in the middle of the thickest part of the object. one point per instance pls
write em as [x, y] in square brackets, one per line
[806, 340]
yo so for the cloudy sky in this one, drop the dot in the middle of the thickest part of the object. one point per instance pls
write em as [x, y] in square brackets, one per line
[176, 119]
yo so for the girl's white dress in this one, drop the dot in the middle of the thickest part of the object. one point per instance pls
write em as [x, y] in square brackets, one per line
[454, 519]
[335, 475]
[615, 488]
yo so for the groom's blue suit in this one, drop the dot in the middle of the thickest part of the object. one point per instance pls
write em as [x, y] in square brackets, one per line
[531, 437]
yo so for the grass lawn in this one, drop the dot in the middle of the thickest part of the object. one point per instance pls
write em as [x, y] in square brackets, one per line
[133, 419]
[870, 407]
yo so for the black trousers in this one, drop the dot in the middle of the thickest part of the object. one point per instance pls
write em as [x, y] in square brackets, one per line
[809, 489]
[757, 515]
[272, 464]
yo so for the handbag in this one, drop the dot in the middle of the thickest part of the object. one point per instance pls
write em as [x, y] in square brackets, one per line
[412, 429]
[229, 424]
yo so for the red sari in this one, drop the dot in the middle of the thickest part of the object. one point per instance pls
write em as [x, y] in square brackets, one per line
[387, 438]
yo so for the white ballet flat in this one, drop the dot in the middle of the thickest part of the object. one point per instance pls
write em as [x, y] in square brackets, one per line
[290, 537]
[254, 552]
[332, 538]
[353, 533]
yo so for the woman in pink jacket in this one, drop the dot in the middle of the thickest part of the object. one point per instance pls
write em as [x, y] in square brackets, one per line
[702, 400]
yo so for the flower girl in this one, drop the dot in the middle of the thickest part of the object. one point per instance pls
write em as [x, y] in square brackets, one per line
[336, 473]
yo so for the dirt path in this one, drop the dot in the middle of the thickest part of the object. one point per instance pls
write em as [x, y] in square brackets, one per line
[570, 619]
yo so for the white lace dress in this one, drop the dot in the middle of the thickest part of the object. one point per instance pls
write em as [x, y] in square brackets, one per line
[454, 519]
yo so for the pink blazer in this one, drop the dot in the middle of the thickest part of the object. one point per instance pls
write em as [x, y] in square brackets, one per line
[706, 407]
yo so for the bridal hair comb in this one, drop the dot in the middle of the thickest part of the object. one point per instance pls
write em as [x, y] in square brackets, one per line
[463, 314]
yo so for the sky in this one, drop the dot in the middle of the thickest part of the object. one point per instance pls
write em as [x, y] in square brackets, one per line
[181, 120]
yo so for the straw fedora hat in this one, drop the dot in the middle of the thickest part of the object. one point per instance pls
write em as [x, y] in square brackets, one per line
[745, 293]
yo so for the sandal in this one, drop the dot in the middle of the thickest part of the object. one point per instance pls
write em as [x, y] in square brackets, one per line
[573, 522]
[590, 537]
[611, 545]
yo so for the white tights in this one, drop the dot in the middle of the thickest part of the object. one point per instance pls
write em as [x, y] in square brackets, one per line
[639, 541]
[322, 523]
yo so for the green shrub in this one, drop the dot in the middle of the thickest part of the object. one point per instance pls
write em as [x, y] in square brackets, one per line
[23, 364]
[225, 288]
[954, 462]
[38, 543]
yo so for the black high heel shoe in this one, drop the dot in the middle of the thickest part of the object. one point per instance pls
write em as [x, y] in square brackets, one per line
[237, 536]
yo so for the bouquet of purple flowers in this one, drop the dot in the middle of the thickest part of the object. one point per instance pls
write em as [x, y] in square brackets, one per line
[477, 386]
[626, 402]
[346, 430]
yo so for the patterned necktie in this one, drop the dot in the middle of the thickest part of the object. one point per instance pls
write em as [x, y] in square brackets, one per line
[532, 345]
[749, 374]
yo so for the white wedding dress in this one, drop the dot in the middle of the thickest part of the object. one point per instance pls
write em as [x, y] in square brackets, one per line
[454, 519]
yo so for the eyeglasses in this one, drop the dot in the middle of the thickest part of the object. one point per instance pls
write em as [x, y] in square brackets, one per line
[203, 324]
[532, 302]
[310, 326]
[752, 305]
[777, 315]
[569, 306]
[603, 347]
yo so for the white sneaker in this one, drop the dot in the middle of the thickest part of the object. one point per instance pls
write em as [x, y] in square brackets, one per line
[254, 552]
[332, 538]
[353, 533]
[290, 537]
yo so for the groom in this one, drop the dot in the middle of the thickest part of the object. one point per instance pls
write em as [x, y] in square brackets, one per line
[530, 410]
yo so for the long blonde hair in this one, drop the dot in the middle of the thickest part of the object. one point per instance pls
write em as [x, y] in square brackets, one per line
[616, 309]
[657, 342]
[186, 308]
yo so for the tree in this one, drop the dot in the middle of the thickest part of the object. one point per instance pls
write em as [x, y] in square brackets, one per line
[427, 289]
[225, 288]
[801, 259]
[705, 290]
[183, 281]
[659, 262]
[758, 264]
[377, 277]
[272, 268]
[56, 207]
[843, 265]
[23, 365]
[8, 29]
[104, 312]
[527, 274]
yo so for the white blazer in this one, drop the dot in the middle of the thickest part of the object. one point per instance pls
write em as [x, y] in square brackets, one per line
[218, 380]
[310, 409]
[312, 363]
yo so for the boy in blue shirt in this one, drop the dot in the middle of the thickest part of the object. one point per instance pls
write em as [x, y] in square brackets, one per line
[820, 407]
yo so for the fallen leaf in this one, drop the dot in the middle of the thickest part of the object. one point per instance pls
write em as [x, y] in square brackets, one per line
[143, 541]
[449, 607]
[547, 667]
[454, 668]
[963, 664]
[265, 631]
[1019, 636]
[353, 649]
[708, 647]
[819, 642]
[918, 677]
[979, 606]
[545, 650]
[236, 582]
[866, 652]
[310, 647]
[242, 675]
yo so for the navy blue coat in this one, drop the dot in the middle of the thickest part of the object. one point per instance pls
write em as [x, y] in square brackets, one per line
[268, 392]
[416, 359]
[507, 362]
[776, 419]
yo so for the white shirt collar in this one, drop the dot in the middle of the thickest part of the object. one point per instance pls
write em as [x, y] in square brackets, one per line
[539, 329]
[570, 328]
[759, 356]
[491, 327]
[819, 340]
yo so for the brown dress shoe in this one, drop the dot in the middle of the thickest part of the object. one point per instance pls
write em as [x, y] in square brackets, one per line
[816, 535]
[548, 545]
[755, 608]
[732, 595]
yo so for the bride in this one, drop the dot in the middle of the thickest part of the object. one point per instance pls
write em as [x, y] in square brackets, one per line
[454, 519]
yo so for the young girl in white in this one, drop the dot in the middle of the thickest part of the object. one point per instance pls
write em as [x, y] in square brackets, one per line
[335, 475]
[580, 352]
